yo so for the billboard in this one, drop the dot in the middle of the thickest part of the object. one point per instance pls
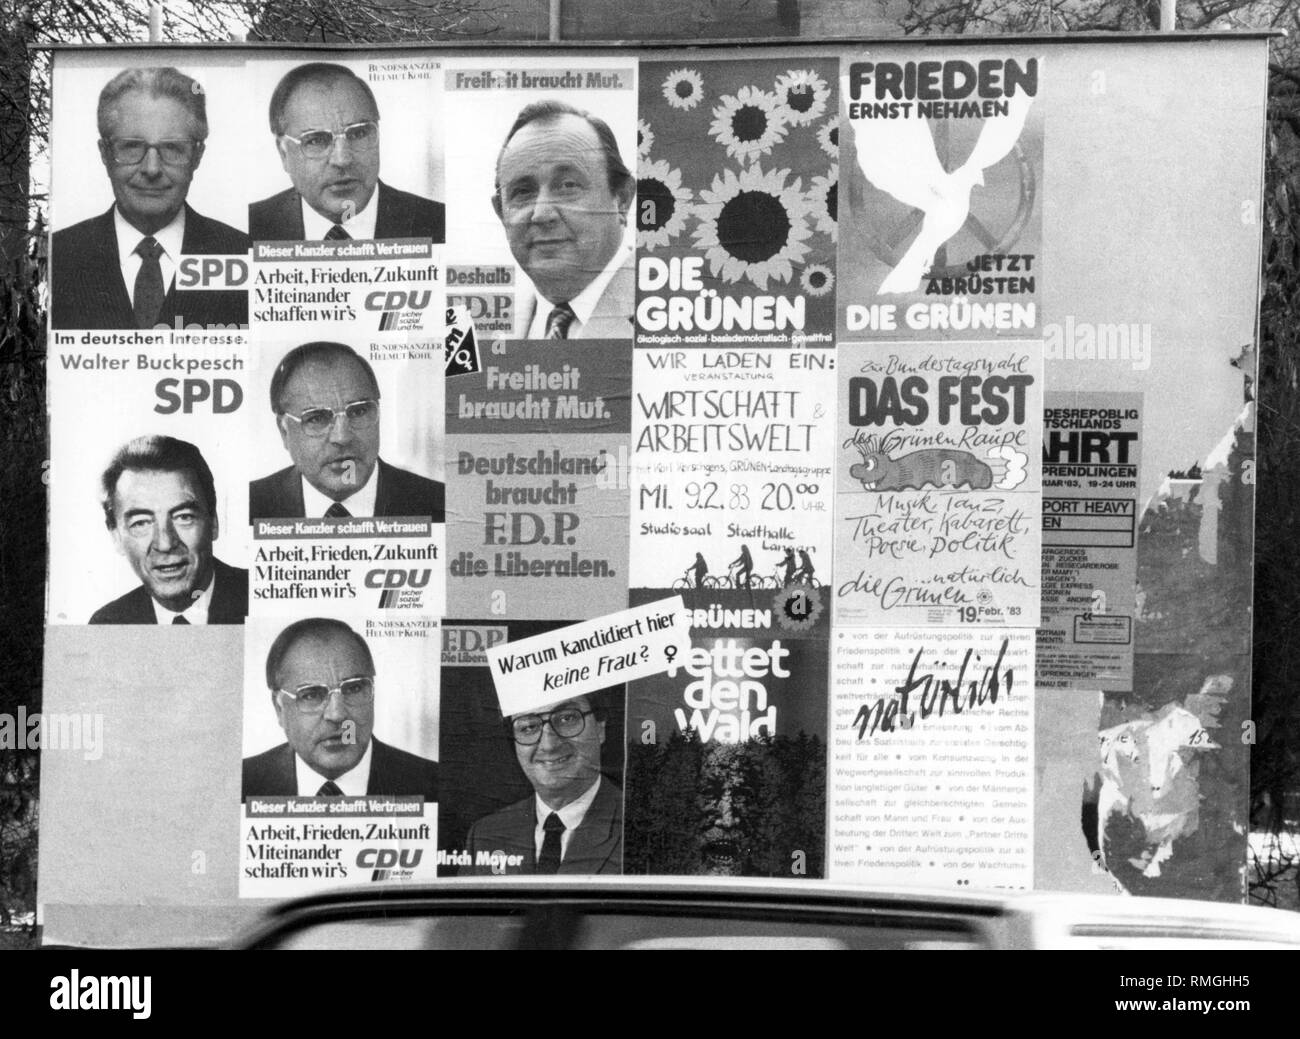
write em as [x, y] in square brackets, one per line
[501, 462]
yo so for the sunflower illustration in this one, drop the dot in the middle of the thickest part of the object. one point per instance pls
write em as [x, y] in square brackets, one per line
[817, 279]
[748, 124]
[828, 136]
[802, 95]
[823, 194]
[662, 204]
[684, 89]
[797, 608]
[753, 225]
[645, 139]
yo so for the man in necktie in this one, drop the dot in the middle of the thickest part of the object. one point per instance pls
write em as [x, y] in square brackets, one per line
[160, 506]
[326, 402]
[327, 135]
[573, 822]
[323, 684]
[118, 270]
[563, 194]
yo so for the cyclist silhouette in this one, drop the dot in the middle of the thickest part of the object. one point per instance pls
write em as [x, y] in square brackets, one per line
[806, 568]
[700, 568]
[745, 564]
[790, 566]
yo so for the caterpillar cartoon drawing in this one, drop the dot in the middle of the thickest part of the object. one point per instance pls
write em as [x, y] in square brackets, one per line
[931, 467]
[938, 467]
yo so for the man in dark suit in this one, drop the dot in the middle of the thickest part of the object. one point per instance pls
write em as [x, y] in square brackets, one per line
[326, 401]
[573, 823]
[118, 270]
[563, 194]
[322, 681]
[160, 504]
[326, 127]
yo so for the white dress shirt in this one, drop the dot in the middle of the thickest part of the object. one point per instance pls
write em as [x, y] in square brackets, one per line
[583, 304]
[170, 238]
[195, 613]
[571, 815]
[360, 502]
[353, 783]
[362, 225]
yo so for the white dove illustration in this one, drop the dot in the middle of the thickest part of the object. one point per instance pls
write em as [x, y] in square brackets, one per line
[898, 157]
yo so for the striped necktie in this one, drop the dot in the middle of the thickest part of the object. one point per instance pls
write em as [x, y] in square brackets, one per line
[559, 320]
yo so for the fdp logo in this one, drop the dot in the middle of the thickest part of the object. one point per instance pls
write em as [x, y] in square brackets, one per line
[389, 863]
[400, 587]
[400, 308]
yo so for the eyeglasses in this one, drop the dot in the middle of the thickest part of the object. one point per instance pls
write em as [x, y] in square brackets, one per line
[566, 723]
[317, 422]
[316, 144]
[311, 699]
[131, 151]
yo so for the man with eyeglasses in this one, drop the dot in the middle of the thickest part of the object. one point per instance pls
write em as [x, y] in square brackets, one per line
[573, 823]
[160, 505]
[322, 680]
[326, 403]
[118, 270]
[326, 127]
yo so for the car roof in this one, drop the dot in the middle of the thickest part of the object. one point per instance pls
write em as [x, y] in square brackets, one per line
[1044, 919]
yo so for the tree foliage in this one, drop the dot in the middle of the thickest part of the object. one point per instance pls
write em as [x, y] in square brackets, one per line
[754, 809]
[929, 17]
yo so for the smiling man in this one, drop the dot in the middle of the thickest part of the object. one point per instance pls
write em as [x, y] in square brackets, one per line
[573, 823]
[118, 270]
[326, 127]
[326, 403]
[322, 680]
[563, 194]
[160, 505]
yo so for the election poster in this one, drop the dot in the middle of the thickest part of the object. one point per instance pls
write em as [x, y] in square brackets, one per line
[376, 286]
[1092, 446]
[537, 449]
[737, 203]
[148, 480]
[727, 747]
[937, 485]
[346, 147]
[943, 217]
[761, 574]
[347, 224]
[932, 757]
[340, 775]
[505, 771]
[147, 231]
[731, 467]
[542, 152]
[357, 515]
